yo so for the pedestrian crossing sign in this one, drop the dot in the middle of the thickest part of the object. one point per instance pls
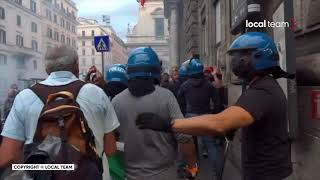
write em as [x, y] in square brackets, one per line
[102, 43]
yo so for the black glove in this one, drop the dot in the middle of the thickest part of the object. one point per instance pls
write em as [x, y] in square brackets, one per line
[154, 122]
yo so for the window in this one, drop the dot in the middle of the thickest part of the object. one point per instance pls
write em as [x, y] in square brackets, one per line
[68, 26]
[159, 28]
[55, 19]
[68, 41]
[83, 52]
[83, 43]
[93, 61]
[92, 33]
[83, 61]
[35, 65]
[3, 60]
[48, 15]
[18, 1]
[3, 37]
[2, 13]
[21, 62]
[62, 22]
[18, 20]
[73, 29]
[204, 37]
[34, 45]
[49, 33]
[33, 6]
[218, 21]
[93, 52]
[19, 41]
[56, 36]
[73, 16]
[34, 27]
[63, 40]
[73, 43]
[83, 33]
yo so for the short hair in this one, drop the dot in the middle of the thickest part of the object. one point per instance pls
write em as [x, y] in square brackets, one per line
[61, 58]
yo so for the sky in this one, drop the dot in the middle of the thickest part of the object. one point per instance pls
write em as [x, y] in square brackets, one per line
[121, 12]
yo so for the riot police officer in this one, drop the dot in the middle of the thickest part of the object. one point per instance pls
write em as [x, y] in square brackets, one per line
[261, 111]
[148, 154]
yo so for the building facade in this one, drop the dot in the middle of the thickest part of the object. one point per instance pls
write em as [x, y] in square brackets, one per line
[20, 44]
[27, 30]
[88, 56]
[59, 23]
[208, 27]
[156, 35]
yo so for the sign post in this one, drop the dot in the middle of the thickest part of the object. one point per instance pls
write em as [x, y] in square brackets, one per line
[102, 44]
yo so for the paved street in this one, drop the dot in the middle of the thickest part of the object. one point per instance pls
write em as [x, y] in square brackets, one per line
[230, 172]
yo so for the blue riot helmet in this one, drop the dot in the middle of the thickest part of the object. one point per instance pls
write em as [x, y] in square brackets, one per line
[183, 71]
[143, 62]
[260, 45]
[195, 67]
[117, 73]
[255, 53]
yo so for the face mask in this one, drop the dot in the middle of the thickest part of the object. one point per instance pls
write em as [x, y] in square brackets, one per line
[141, 87]
[242, 67]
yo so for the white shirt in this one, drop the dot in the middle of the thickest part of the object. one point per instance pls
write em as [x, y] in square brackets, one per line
[22, 121]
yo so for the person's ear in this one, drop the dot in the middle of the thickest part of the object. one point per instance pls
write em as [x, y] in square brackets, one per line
[77, 70]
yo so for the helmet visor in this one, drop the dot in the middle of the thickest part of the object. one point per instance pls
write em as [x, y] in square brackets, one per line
[241, 50]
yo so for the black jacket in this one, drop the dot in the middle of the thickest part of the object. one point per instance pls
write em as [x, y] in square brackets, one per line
[198, 95]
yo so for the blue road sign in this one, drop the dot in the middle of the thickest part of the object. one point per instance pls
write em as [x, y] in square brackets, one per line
[102, 43]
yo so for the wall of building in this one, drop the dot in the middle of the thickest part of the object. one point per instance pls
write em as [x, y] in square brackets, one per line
[86, 30]
[19, 62]
[139, 36]
[59, 18]
[25, 64]
[201, 16]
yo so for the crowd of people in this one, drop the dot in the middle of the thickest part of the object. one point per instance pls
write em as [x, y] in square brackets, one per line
[161, 122]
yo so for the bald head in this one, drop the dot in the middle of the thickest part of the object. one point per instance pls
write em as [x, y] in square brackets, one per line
[62, 58]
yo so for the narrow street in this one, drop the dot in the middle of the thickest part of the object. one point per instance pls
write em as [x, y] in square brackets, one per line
[230, 172]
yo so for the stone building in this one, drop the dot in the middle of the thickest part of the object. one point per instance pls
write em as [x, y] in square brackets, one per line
[27, 30]
[20, 44]
[88, 56]
[207, 28]
[156, 35]
[59, 23]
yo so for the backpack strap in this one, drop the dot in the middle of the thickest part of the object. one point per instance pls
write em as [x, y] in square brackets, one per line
[43, 91]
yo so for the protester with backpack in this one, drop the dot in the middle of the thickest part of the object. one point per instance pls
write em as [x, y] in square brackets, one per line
[61, 120]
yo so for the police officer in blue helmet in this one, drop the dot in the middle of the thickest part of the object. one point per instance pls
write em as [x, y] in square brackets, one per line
[183, 74]
[150, 154]
[198, 93]
[117, 80]
[261, 111]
